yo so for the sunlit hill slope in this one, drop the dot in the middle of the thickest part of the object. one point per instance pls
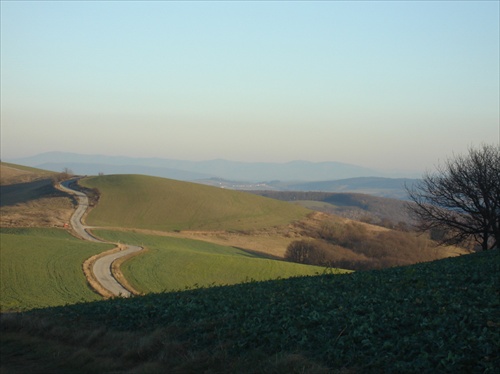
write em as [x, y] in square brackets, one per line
[137, 201]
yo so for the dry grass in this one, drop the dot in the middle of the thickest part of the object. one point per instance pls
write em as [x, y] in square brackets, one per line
[11, 174]
[28, 199]
[43, 212]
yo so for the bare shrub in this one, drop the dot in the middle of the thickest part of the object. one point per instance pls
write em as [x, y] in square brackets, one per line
[353, 246]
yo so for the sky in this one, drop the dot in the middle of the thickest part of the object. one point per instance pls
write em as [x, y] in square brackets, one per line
[391, 85]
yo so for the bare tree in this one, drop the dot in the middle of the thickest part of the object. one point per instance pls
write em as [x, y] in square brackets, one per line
[462, 198]
[65, 174]
[299, 251]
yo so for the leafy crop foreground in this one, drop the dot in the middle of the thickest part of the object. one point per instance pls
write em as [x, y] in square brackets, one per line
[442, 316]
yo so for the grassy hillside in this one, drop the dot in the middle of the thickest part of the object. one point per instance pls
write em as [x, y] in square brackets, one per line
[176, 264]
[136, 201]
[43, 267]
[442, 316]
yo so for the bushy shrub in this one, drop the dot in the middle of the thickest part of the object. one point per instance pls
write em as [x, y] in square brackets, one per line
[353, 246]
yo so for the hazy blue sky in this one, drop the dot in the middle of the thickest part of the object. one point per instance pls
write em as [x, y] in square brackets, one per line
[390, 85]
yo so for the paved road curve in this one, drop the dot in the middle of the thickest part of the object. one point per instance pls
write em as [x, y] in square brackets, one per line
[76, 218]
[102, 271]
[102, 266]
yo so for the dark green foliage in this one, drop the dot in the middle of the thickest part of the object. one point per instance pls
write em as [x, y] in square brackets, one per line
[442, 316]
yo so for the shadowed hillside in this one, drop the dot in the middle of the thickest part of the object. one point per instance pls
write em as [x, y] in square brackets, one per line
[29, 199]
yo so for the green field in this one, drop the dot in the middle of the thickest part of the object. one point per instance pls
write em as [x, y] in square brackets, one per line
[43, 267]
[438, 317]
[177, 264]
[136, 201]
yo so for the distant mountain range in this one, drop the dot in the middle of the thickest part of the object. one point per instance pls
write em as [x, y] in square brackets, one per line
[293, 175]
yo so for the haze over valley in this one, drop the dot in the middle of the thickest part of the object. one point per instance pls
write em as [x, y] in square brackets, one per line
[295, 175]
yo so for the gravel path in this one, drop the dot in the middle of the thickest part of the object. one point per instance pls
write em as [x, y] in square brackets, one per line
[102, 266]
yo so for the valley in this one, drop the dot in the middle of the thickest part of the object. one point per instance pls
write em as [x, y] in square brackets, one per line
[262, 217]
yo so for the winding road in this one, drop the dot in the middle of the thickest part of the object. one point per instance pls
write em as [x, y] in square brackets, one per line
[102, 266]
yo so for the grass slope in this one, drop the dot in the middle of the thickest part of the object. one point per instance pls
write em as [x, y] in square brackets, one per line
[177, 264]
[136, 201]
[442, 316]
[43, 267]
[12, 173]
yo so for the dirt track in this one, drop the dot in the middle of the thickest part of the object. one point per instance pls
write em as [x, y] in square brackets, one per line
[101, 268]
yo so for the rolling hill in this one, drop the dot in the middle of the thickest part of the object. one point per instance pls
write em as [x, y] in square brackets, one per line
[29, 254]
[136, 201]
[154, 205]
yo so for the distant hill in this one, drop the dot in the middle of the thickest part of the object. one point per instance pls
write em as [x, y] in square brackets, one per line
[377, 186]
[356, 206]
[193, 170]
[393, 188]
